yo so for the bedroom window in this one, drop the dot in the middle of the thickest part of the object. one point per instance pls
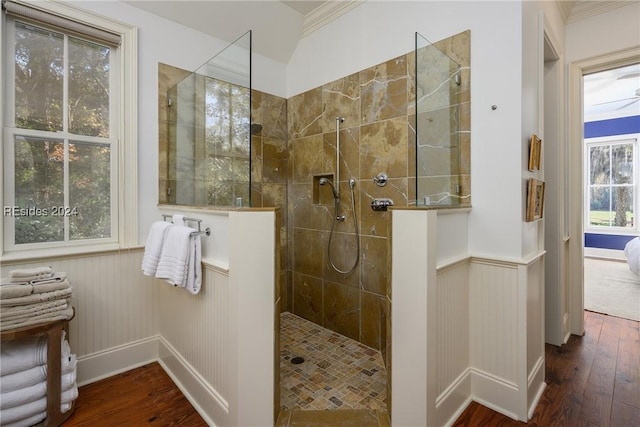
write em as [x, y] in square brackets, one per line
[611, 184]
[64, 128]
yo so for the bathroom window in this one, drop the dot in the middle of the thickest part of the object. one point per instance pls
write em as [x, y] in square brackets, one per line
[611, 184]
[63, 130]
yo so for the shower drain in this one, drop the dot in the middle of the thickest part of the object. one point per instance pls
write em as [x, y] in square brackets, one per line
[297, 360]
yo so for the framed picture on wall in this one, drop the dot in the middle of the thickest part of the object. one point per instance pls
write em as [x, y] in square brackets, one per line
[535, 148]
[535, 199]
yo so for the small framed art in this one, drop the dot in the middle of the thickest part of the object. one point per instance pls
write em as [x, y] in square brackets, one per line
[535, 149]
[535, 199]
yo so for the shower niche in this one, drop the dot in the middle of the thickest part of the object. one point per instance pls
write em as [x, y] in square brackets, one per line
[205, 152]
[441, 123]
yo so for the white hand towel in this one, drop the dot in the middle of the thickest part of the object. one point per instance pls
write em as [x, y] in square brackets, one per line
[8, 291]
[153, 247]
[30, 273]
[37, 298]
[30, 309]
[174, 260]
[56, 277]
[178, 219]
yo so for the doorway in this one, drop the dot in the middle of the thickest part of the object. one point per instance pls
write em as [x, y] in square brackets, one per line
[611, 123]
[576, 151]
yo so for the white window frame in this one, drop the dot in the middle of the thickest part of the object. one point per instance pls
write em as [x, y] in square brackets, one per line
[612, 140]
[123, 153]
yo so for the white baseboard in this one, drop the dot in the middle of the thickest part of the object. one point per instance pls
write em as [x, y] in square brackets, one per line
[206, 400]
[104, 364]
[454, 400]
[494, 393]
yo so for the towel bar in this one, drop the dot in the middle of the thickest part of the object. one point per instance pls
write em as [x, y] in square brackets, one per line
[207, 231]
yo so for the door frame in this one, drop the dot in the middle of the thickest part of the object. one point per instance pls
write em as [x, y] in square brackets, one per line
[575, 139]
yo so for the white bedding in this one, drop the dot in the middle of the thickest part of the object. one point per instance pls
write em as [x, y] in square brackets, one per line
[632, 252]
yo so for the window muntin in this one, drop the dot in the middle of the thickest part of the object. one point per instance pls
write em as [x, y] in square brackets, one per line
[612, 185]
[63, 173]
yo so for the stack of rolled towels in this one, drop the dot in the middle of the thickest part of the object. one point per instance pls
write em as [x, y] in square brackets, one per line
[33, 296]
[23, 380]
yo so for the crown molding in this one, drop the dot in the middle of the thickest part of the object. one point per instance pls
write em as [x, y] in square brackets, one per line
[565, 9]
[587, 9]
[326, 13]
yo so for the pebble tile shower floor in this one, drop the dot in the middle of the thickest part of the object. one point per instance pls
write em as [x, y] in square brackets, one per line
[338, 372]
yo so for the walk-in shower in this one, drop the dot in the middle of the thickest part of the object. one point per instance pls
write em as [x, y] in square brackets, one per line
[337, 215]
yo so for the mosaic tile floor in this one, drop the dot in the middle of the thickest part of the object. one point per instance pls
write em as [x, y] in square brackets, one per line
[338, 372]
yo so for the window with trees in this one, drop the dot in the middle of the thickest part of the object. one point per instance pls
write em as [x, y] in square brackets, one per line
[611, 192]
[63, 128]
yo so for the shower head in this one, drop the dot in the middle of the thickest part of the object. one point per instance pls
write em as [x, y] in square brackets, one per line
[324, 181]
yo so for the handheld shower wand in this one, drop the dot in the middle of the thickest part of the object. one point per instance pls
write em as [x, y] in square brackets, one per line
[324, 181]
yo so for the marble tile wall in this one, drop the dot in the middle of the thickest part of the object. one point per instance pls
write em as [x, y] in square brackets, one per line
[377, 135]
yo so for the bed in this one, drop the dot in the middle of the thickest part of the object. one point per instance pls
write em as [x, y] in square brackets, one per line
[632, 252]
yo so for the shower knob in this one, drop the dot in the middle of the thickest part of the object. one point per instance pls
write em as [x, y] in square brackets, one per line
[381, 179]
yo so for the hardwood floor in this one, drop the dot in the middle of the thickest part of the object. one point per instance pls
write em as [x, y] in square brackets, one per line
[142, 396]
[592, 380]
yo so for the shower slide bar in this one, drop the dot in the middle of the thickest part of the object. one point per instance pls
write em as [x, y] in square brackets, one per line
[207, 231]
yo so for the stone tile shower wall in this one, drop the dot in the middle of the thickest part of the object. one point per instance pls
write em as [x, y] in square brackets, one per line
[297, 143]
[377, 136]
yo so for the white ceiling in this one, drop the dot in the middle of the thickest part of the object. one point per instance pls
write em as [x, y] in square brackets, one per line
[612, 93]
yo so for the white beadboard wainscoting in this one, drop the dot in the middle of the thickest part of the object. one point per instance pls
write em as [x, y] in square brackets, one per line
[464, 328]
[114, 325]
[217, 346]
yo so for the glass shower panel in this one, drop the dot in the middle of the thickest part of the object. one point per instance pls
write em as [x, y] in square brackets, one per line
[209, 150]
[437, 126]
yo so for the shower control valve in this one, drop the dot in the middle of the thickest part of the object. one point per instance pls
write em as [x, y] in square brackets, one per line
[381, 204]
[381, 179]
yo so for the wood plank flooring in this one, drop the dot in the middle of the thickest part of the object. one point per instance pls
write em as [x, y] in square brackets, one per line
[592, 380]
[142, 396]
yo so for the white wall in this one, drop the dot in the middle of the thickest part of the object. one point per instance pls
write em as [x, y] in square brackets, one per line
[161, 40]
[380, 30]
[609, 32]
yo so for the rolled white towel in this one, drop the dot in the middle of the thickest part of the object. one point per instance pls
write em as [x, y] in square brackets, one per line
[23, 395]
[19, 355]
[153, 247]
[37, 374]
[17, 413]
[25, 353]
[22, 379]
[29, 421]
